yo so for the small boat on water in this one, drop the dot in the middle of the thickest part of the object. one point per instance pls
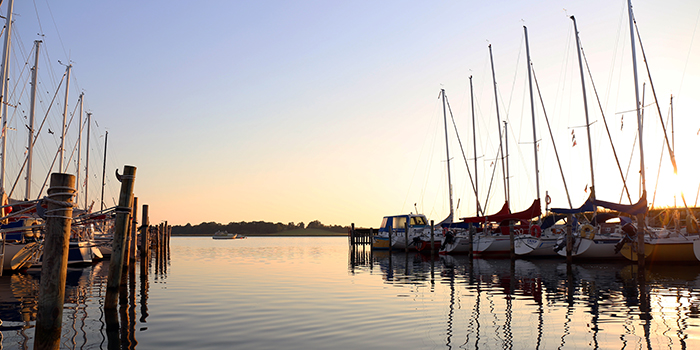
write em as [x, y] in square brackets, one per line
[226, 235]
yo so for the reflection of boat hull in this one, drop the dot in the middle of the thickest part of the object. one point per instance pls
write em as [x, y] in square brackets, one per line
[675, 249]
[597, 248]
[533, 246]
[459, 245]
[492, 245]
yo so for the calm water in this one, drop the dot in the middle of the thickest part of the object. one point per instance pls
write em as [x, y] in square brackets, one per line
[314, 293]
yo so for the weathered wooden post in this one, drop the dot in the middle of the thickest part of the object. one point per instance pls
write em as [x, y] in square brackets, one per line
[391, 232]
[352, 233]
[144, 232]
[472, 228]
[120, 228]
[134, 225]
[511, 228]
[432, 239]
[55, 261]
[640, 241]
[569, 238]
[406, 236]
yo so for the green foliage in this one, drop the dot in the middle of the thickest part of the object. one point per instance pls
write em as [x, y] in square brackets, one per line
[252, 228]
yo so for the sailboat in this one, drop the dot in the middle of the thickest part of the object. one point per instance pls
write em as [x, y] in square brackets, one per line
[411, 231]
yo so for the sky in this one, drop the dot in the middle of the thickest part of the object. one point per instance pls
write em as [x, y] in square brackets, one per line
[285, 111]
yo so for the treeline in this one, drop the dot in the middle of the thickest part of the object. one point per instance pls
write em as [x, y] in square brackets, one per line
[251, 228]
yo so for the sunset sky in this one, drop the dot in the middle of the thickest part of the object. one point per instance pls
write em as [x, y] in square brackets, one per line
[289, 111]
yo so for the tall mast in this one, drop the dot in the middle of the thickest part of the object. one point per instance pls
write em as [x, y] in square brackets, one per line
[80, 135]
[87, 158]
[4, 76]
[447, 150]
[500, 136]
[476, 173]
[532, 105]
[63, 129]
[32, 110]
[640, 127]
[506, 176]
[104, 166]
[585, 108]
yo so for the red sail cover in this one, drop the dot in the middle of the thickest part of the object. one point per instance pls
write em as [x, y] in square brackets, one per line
[504, 214]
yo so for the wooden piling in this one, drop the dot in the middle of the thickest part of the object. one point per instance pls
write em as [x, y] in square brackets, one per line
[120, 228]
[406, 237]
[145, 244]
[432, 238]
[569, 238]
[55, 261]
[352, 233]
[391, 232]
[640, 241]
[511, 229]
[471, 241]
[134, 225]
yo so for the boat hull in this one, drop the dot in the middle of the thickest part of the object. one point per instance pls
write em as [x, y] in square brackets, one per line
[664, 250]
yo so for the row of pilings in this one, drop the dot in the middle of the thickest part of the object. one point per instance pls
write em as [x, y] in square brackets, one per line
[130, 242]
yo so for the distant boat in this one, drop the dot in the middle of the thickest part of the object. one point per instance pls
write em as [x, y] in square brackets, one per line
[224, 235]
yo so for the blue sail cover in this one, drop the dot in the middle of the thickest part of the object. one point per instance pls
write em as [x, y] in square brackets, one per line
[633, 209]
[586, 207]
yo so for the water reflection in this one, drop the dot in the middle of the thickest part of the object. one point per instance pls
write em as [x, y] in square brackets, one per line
[544, 304]
[86, 324]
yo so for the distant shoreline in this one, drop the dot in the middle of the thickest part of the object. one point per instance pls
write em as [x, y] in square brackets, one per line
[290, 233]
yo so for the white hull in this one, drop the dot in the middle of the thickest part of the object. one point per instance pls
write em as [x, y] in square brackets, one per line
[459, 245]
[597, 248]
[491, 245]
[533, 246]
[696, 249]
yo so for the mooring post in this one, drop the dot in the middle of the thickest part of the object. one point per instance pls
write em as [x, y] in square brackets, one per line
[144, 231]
[352, 233]
[640, 242]
[134, 225]
[406, 236]
[121, 224]
[569, 238]
[391, 231]
[432, 239]
[52, 287]
[511, 228]
[127, 236]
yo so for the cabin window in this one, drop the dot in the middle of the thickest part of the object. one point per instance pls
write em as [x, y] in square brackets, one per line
[384, 223]
[418, 220]
[399, 222]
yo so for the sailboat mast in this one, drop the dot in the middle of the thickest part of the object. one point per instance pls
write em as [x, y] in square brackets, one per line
[532, 105]
[500, 136]
[507, 173]
[104, 167]
[640, 127]
[87, 158]
[585, 108]
[32, 111]
[476, 173]
[80, 136]
[63, 129]
[447, 149]
[4, 74]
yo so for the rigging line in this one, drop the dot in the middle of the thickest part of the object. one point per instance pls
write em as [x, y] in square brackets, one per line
[67, 127]
[556, 153]
[605, 122]
[471, 179]
[41, 190]
[634, 110]
[38, 132]
[656, 100]
[493, 175]
[658, 170]
[38, 20]
[58, 33]
[623, 13]
[517, 65]
[687, 59]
